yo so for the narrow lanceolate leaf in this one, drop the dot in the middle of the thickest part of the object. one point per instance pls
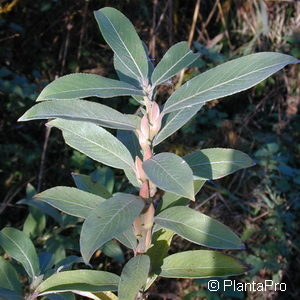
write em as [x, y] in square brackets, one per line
[98, 295]
[131, 176]
[169, 199]
[8, 276]
[18, 245]
[130, 140]
[177, 58]
[198, 228]
[121, 36]
[124, 73]
[95, 142]
[88, 184]
[127, 238]
[108, 220]
[7, 294]
[227, 79]
[161, 242]
[133, 277]
[70, 200]
[174, 121]
[80, 110]
[201, 264]
[170, 173]
[80, 85]
[215, 163]
[79, 280]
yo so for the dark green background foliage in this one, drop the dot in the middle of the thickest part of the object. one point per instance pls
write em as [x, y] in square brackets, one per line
[41, 40]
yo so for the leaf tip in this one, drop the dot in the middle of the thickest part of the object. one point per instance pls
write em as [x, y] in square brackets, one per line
[242, 247]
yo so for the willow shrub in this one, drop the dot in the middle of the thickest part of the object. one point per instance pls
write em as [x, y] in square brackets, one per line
[146, 221]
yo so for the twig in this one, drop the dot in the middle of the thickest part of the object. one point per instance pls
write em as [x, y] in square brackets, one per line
[210, 15]
[170, 22]
[82, 32]
[10, 195]
[162, 16]
[42, 165]
[152, 44]
[224, 23]
[191, 35]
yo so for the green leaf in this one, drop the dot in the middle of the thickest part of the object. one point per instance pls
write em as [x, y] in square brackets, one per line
[227, 79]
[112, 249]
[201, 264]
[161, 242]
[174, 121]
[99, 295]
[79, 280]
[80, 85]
[35, 223]
[95, 142]
[127, 238]
[70, 200]
[18, 245]
[88, 184]
[80, 110]
[131, 176]
[176, 58]
[105, 176]
[61, 296]
[169, 199]
[106, 221]
[124, 73]
[8, 276]
[45, 208]
[170, 173]
[130, 140]
[198, 228]
[133, 277]
[6, 294]
[121, 36]
[215, 163]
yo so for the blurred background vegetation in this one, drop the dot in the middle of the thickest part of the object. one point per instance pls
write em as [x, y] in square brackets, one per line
[42, 40]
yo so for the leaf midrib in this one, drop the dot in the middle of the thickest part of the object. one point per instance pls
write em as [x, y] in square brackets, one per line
[234, 162]
[220, 84]
[112, 153]
[173, 66]
[193, 228]
[170, 175]
[87, 119]
[126, 204]
[88, 89]
[24, 254]
[66, 201]
[125, 46]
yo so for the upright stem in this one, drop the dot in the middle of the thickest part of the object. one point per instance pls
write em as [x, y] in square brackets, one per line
[143, 224]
